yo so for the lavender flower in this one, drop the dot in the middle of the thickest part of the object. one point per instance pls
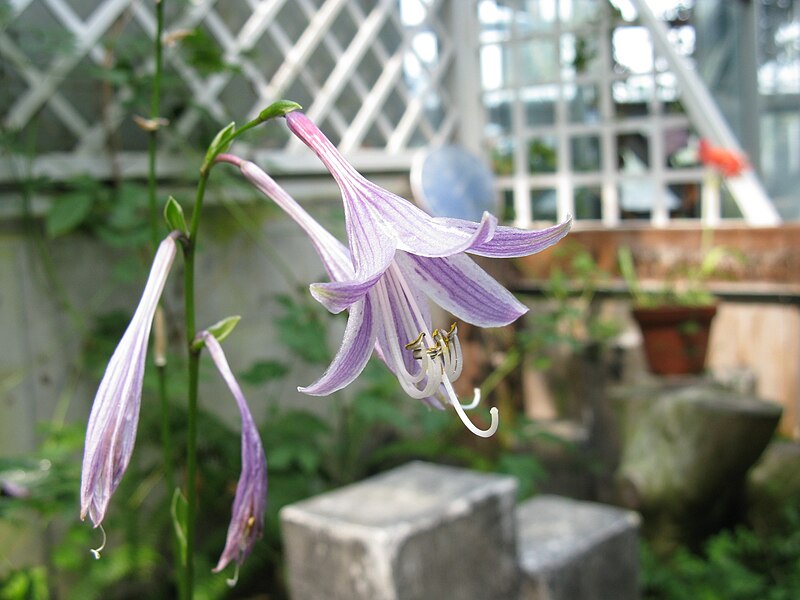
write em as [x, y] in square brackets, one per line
[111, 432]
[399, 256]
[250, 502]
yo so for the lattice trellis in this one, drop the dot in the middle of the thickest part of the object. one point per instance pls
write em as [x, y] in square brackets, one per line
[373, 73]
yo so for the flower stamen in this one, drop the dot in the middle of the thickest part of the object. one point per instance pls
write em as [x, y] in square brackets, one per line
[96, 551]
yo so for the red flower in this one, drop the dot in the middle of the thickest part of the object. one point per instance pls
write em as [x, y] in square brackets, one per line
[728, 162]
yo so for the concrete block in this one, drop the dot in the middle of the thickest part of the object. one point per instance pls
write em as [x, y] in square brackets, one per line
[418, 532]
[572, 550]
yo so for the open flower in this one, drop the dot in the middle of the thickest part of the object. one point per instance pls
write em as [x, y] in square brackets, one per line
[250, 501]
[385, 282]
[111, 432]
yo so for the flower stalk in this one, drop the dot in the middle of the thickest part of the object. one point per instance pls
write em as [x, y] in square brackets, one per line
[220, 144]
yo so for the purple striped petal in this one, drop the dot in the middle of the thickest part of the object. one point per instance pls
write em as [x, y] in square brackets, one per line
[335, 255]
[510, 242]
[111, 431]
[336, 296]
[357, 345]
[250, 501]
[462, 288]
[373, 212]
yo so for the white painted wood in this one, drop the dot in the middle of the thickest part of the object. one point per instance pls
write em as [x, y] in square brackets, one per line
[746, 189]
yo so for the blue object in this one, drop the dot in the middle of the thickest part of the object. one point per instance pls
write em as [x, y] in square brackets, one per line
[451, 181]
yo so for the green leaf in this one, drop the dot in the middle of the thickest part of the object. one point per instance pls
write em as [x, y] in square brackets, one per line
[280, 108]
[68, 212]
[173, 215]
[222, 329]
[220, 143]
[264, 371]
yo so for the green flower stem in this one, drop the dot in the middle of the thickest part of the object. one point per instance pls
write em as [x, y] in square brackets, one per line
[161, 372]
[219, 145]
[155, 108]
[189, 246]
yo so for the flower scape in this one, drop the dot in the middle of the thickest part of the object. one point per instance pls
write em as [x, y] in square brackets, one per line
[397, 259]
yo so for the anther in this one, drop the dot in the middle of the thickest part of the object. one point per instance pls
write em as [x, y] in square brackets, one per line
[416, 341]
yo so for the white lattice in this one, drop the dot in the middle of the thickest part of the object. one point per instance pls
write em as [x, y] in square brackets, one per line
[356, 65]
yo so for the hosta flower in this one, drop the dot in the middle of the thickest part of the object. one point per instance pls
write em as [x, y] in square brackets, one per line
[250, 501]
[399, 256]
[111, 432]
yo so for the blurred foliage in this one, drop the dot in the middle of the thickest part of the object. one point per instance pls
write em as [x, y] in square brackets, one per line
[738, 564]
[372, 428]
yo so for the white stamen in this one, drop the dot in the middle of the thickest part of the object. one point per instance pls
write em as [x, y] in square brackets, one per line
[439, 365]
[465, 419]
[235, 579]
[96, 551]
[476, 399]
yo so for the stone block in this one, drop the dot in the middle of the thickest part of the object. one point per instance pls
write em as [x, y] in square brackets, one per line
[572, 550]
[418, 532]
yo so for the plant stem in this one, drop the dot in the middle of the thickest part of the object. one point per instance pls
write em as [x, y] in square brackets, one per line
[155, 108]
[224, 139]
[161, 371]
[194, 364]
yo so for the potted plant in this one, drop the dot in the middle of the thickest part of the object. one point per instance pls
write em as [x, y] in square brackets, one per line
[675, 320]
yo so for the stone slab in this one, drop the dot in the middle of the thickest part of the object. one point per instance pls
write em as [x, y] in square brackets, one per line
[573, 550]
[418, 532]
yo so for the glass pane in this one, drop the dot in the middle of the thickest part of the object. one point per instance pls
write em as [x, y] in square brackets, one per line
[631, 97]
[633, 151]
[542, 155]
[495, 66]
[583, 103]
[538, 61]
[495, 19]
[579, 55]
[540, 105]
[636, 198]
[682, 38]
[683, 200]
[585, 153]
[730, 210]
[632, 50]
[588, 203]
[509, 212]
[669, 93]
[575, 13]
[498, 112]
[543, 204]
[680, 148]
[536, 16]
[503, 157]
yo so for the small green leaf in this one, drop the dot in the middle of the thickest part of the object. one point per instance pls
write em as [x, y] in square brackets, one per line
[280, 108]
[220, 143]
[67, 213]
[222, 329]
[173, 215]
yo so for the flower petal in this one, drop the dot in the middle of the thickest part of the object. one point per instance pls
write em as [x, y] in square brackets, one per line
[416, 231]
[335, 255]
[462, 288]
[371, 210]
[352, 357]
[510, 242]
[250, 501]
[111, 431]
[338, 295]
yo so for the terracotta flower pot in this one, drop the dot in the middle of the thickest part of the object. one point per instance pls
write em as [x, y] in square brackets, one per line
[675, 337]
